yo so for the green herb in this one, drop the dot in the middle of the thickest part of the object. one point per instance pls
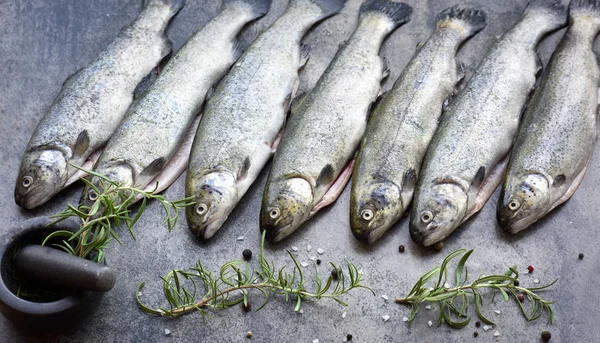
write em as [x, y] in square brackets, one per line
[453, 302]
[110, 209]
[197, 289]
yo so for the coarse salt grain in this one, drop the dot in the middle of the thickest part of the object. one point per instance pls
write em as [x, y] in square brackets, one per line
[312, 258]
[536, 281]
[404, 319]
[240, 238]
[167, 331]
[497, 311]
[446, 285]
[320, 251]
[315, 340]
[295, 248]
[428, 307]
[301, 311]
[486, 327]
[344, 315]
[139, 294]
[385, 297]
[497, 333]
[304, 264]
[430, 323]
[385, 318]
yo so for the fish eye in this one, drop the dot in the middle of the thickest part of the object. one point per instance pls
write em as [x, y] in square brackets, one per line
[366, 214]
[426, 217]
[274, 212]
[27, 181]
[92, 195]
[514, 204]
[201, 209]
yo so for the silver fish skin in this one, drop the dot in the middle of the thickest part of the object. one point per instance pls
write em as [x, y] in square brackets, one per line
[403, 124]
[245, 115]
[466, 158]
[322, 135]
[559, 130]
[155, 125]
[91, 104]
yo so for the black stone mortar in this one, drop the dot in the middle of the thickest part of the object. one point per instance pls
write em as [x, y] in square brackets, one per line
[56, 308]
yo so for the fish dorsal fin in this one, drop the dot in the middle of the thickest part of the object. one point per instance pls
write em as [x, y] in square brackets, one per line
[154, 168]
[326, 176]
[304, 54]
[559, 181]
[243, 172]
[475, 185]
[409, 181]
[81, 144]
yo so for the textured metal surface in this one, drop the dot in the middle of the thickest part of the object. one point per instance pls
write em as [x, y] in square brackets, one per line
[43, 42]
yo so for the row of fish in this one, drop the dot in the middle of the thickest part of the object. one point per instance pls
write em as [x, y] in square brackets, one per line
[451, 162]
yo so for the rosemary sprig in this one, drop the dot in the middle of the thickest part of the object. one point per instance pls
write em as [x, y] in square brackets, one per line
[453, 302]
[197, 289]
[108, 212]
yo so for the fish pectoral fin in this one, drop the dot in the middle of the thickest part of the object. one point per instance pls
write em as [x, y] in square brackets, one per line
[237, 49]
[409, 180]
[336, 188]
[386, 69]
[177, 164]
[304, 54]
[325, 176]
[295, 104]
[81, 144]
[475, 187]
[88, 164]
[243, 172]
[559, 181]
[488, 187]
[154, 168]
[569, 193]
[276, 141]
[460, 72]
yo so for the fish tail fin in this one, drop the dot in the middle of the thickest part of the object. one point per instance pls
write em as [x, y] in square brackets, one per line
[471, 20]
[174, 5]
[398, 12]
[259, 7]
[585, 7]
[328, 7]
[553, 10]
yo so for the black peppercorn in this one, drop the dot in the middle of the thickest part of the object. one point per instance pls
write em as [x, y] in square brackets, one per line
[401, 248]
[318, 261]
[247, 253]
[516, 283]
[546, 335]
[348, 337]
[334, 274]
[475, 334]
[477, 324]
[581, 256]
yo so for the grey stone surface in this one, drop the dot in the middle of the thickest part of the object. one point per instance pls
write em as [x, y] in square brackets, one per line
[43, 42]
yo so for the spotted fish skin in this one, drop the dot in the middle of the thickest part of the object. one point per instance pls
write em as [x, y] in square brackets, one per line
[325, 130]
[559, 130]
[155, 126]
[246, 114]
[91, 104]
[403, 124]
[466, 158]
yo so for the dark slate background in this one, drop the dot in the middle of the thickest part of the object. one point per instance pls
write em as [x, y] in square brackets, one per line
[43, 42]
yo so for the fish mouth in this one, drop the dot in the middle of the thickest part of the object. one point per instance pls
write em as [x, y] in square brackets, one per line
[370, 234]
[30, 201]
[277, 234]
[430, 236]
[516, 226]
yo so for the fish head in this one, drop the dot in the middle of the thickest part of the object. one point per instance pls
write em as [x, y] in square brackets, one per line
[287, 203]
[374, 208]
[438, 211]
[43, 173]
[523, 200]
[119, 173]
[215, 196]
